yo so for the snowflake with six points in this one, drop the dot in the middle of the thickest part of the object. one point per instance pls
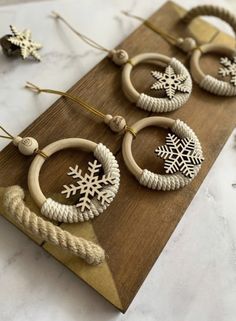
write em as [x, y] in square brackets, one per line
[179, 155]
[24, 41]
[169, 81]
[89, 185]
[229, 68]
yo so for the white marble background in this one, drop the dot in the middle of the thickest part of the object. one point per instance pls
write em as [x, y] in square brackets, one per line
[195, 277]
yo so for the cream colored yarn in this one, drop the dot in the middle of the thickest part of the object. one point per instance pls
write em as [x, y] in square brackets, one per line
[15, 206]
[217, 87]
[212, 10]
[72, 214]
[173, 181]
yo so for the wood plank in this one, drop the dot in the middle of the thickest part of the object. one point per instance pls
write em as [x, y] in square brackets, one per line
[137, 225]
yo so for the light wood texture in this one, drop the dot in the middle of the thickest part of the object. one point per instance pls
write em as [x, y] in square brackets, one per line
[129, 90]
[34, 170]
[221, 49]
[137, 225]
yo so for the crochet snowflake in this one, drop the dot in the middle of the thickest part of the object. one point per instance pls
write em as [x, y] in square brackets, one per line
[229, 68]
[179, 155]
[89, 185]
[24, 41]
[169, 81]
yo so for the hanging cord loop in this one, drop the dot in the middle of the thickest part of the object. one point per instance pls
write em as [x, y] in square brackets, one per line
[118, 56]
[116, 123]
[8, 135]
[171, 39]
[187, 44]
[83, 37]
[77, 100]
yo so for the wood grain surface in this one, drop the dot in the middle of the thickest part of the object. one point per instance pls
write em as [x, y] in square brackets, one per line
[139, 222]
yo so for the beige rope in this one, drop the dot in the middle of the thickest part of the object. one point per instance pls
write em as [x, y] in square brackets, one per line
[15, 206]
[211, 10]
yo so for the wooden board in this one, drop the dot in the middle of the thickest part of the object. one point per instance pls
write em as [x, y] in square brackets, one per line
[137, 225]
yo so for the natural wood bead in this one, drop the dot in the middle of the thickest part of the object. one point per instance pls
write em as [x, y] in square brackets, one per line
[16, 140]
[27, 145]
[117, 124]
[187, 45]
[107, 119]
[120, 57]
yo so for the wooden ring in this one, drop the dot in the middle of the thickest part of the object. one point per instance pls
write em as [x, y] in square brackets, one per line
[147, 102]
[69, 213]
[207, 82]
[178, 127]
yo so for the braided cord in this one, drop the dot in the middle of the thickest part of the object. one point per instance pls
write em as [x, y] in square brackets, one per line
[31, 222]
[211, 10]
[175, 181]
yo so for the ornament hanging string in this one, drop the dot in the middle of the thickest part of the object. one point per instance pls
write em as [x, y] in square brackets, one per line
[168, 37]
[187, 46]
[171, 39]
[77, 100]
[83, 37]
[8, 135]
[11, 137]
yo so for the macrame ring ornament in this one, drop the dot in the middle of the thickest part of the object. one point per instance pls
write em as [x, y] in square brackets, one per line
[70, 213]
[207, 82]
[150, 103]
[147, 178]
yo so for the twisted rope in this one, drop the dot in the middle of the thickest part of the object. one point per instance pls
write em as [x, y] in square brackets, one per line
[161, 105]
[211, 10]
[72, 214]
[15, 206]
[174, 181]
[217, 87]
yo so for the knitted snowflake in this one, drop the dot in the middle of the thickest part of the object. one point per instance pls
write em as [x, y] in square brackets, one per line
[23, 40]
[169, 81]
[89, 185]
[179, 155]
[229, 68]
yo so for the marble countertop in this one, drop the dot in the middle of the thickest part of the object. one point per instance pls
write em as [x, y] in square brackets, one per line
[195, 276]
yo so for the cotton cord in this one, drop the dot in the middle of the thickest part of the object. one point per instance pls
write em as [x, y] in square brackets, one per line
[31, 222]
[72, 214]
[211, 10]
[173, 181]
[217, 87]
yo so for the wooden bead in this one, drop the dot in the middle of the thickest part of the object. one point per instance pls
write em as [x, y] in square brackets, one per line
[188, 44]
[117, 124]
[120, 57]
[27, 145]
[16, 140]
[107, 119]
[179, 41]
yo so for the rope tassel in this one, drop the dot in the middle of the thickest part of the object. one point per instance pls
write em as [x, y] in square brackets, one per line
[13, 202]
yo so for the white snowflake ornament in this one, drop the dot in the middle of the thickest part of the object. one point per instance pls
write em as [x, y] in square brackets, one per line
[89, 186]
[24, 42]
[229, 68]
[170, 82]
[179, 155]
